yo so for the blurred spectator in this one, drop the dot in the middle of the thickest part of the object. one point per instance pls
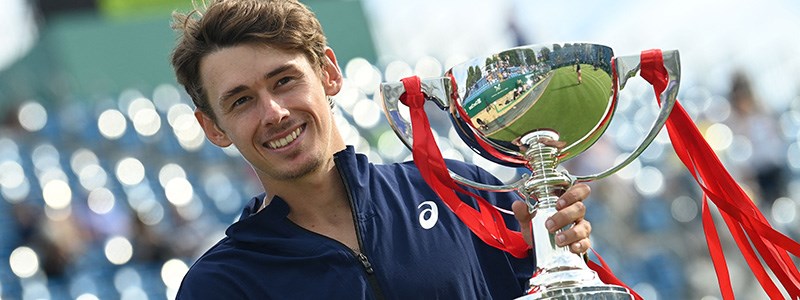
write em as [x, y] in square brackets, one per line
[765, 170]
[58, 241]
[148, 244]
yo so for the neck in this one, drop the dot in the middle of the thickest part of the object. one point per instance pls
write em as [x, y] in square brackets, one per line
[318, 202]
[312, 197]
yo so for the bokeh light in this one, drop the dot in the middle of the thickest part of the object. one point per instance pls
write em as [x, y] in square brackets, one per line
[741, 149]
[348, 96]
[165, 96]
[390, 146]
[150, 212]
[172, 273]
[684, 209]
[719, 136]
[170, 171]
[185, 127]
[101, 200]
[11, 174]
[32, 116]
[649, 181]
[784, 210]
[125, 278]
[45, 156]
[179, 191]
[87, 296]
[112, 124]
[362, 74]
[118, 250]
[137, 105]
[146, 122]
[428, 67]
[82, 158]
[192, 210]
[134, 293]
[397, 70]
[24, 262]
[130, 171]
[368, 112]
[17, 193]
[57, 194]
[92, 177]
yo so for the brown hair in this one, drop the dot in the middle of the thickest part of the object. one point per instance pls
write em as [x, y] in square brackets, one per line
[283, 24]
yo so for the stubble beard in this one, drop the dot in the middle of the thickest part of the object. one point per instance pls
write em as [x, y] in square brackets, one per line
[306, 169]
[298, 172]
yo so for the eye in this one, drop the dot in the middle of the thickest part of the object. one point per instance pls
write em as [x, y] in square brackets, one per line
[240, 101]
[283, 81]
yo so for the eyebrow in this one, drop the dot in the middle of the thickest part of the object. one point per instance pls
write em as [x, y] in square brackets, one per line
[241, 87]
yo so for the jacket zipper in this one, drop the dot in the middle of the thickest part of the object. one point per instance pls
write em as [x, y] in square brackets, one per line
[368, 268]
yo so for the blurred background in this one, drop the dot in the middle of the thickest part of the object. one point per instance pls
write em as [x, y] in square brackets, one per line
[102, 195]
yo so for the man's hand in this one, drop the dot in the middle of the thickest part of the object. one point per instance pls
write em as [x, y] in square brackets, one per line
[571, 210]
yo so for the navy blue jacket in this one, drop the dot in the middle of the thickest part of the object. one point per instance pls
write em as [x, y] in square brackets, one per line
[266, 256]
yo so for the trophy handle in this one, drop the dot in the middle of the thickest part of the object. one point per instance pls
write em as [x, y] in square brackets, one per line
[438, 90]
[627, 67]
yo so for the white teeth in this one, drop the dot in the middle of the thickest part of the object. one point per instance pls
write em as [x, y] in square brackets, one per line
[282, 142]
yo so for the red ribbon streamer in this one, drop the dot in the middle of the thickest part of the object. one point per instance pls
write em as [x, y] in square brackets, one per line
[744, 220]
[487, 223]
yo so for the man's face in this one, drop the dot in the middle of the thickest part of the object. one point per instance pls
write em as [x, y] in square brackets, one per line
[271, 104]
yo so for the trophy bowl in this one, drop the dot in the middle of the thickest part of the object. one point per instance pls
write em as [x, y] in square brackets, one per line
[564, 89]
[537, 106]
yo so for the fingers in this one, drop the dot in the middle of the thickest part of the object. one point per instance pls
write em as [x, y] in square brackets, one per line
[570, 207]
[571, 210]
[566, 216]
[574, 194]
[577, 237]
[581, 246]
[524, 218]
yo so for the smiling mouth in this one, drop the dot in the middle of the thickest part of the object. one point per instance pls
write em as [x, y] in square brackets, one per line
[286, 140]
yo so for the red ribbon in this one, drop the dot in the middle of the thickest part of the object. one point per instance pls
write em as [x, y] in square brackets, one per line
[744, 220]
[487, 223]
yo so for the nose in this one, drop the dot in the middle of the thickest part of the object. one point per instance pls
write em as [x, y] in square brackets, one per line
[273, 111]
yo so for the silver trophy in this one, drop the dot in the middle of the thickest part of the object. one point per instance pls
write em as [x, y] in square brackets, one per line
[535, 107]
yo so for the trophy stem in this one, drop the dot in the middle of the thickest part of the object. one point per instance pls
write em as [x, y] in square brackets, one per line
[559, 273]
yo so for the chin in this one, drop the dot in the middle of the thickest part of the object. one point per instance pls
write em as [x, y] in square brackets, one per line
[298, 170]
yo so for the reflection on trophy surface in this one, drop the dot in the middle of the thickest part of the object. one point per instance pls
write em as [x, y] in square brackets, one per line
[535, 107]
[520, 90]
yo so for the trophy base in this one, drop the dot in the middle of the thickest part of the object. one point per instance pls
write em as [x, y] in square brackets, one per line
[596, 292]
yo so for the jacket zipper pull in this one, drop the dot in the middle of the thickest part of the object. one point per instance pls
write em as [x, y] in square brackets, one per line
[365, 262]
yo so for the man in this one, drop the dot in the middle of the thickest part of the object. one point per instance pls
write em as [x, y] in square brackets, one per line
[330, 224]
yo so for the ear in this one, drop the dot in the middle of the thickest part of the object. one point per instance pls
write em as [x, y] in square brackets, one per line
[214, 134]
[331, 74]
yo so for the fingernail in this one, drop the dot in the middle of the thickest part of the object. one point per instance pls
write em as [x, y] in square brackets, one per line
[560, 238]
[561, 204]
[576, 246]
[550, 224]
